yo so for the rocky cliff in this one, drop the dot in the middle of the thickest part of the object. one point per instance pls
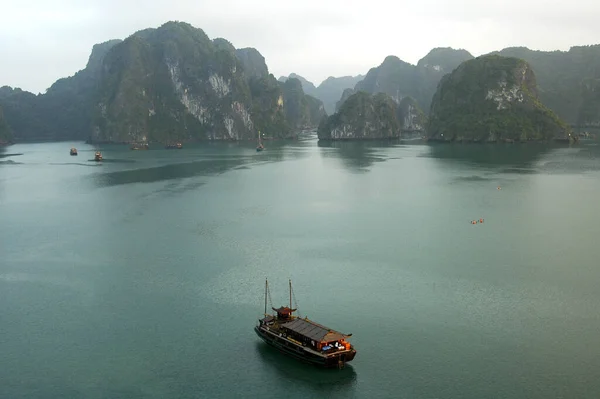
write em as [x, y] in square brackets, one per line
[345, 95]
[64, 111]
[567, 80]
[329, 91]
[410, 115]
[363, 116]
[492, 99]
[400, 79]
[5, 130]
[253, 62]
[164, 84]
[172, 83]
[302, 111]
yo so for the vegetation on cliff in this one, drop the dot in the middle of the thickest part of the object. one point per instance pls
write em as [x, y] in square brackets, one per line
[166, 84]
[400, 79]
[362, 116]
[329, 91]
[5, 131]
[492, 98]
[302, 111]
[63, 112]
[566, 80]
[410, 115]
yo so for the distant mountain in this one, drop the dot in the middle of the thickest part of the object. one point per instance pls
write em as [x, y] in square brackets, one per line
[568, 81]
[302, 110]
[329, 91]
[400, 79]
[444, 59]
[308, 87]
[492, 99]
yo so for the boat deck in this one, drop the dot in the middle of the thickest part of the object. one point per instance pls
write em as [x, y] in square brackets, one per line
[277, 332]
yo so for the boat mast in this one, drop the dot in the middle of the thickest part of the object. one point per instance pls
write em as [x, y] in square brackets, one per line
[290, 293]
[266, 289]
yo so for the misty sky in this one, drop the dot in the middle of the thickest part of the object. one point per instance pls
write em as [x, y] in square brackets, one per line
[43, 40]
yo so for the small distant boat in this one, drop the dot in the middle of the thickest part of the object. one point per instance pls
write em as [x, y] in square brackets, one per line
[73, 151]
[136, 146]
[174, 146]
[260, 146]
[304, 339]
[98, 156]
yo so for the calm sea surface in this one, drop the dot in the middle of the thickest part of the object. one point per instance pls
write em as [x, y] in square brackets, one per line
[143, 276]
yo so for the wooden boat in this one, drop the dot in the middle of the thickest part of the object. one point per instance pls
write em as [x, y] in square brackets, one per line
[172, 146]
[98, 156]
[260, 146]
[136, 146]
[73, 151]
[302, 338]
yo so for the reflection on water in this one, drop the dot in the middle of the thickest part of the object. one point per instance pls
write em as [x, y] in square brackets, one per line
[170, 171]
[520, 158]
[357, 156]
[325, 381]
[516, 156]
[197, 161]
[3, 155]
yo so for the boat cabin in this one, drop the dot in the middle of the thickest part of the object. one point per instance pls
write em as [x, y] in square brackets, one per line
[315, 335]
[284, 313]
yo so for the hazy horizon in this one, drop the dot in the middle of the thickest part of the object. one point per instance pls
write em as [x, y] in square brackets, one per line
[318, 40]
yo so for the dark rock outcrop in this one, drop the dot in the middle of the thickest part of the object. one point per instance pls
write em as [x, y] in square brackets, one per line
[362, 117]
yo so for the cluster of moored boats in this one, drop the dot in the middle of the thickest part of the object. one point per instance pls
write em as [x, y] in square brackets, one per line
[134, 146]
[97, 155]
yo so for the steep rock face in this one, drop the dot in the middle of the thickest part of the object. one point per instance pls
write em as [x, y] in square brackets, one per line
[332, 88]
[565, 80]
[308, 87]
[267, 107]
[316, 111]
[5, 131]
[329, 91]
[223, 44]
[99, 51]
[444, 59]
[492, 99]
[302, 111]
[253, 62]
[410, 115]
[362, 117]
[174, 83]
[64, 111]
[345, 95]
[24, 113]
[393, 77]
[589, 111]
[400, 79]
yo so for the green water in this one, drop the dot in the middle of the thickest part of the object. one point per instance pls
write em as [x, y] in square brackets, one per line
[143, 276]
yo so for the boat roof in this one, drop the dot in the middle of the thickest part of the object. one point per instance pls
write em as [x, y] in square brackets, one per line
[314, 330]
[284, 310]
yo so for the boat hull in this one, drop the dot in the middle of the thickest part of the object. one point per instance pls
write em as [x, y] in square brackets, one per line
[298, 352]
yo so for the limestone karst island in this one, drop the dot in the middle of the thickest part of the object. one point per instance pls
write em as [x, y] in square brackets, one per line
[175, 84]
